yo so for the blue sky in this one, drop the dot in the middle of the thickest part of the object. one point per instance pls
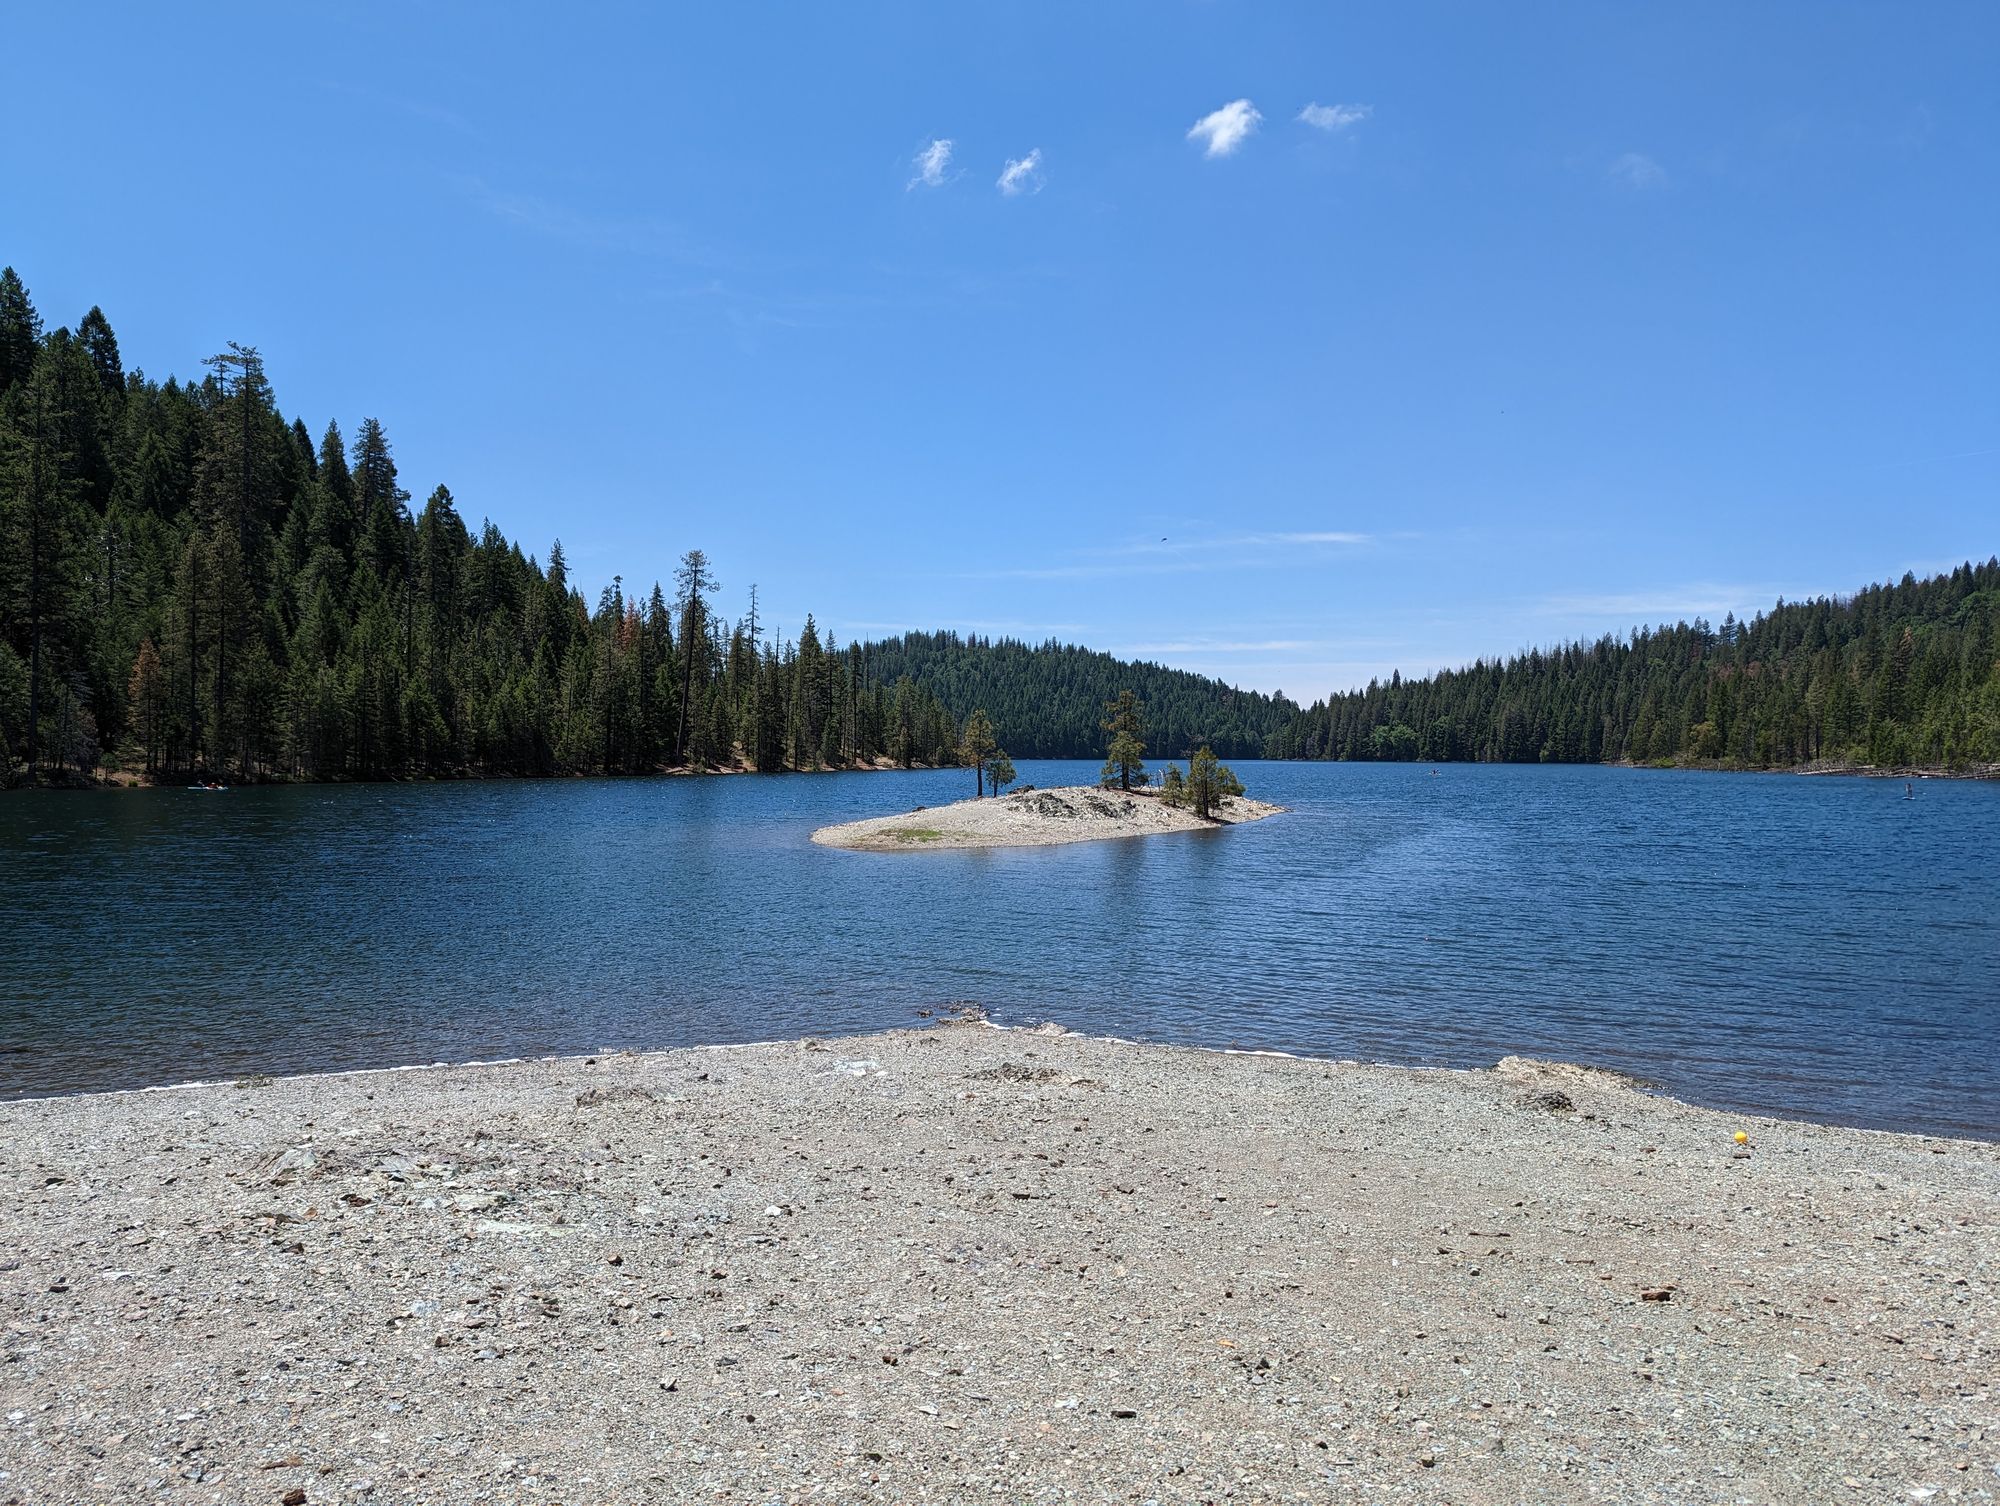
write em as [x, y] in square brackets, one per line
[1455, 329]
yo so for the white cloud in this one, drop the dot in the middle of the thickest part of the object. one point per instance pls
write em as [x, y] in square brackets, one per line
[933, 164]
[639, 236]
[1224, 646]
[1223, 131]
[1636, 170]
[1674, 603]
[1022, 174]
[1210, 543]
[1335, 117]
[1026, 630]
[1190, 554]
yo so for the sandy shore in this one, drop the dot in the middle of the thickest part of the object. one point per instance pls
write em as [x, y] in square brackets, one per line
[967, 1264]
[1034, 818]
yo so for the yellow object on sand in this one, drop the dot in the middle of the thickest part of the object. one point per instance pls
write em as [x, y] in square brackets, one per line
[1741, 1138]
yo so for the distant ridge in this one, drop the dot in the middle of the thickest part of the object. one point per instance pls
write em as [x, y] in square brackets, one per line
[1895, 675]
[1047, 700]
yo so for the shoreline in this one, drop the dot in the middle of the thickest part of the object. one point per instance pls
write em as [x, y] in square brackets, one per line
[1975, 773]
[124, 781]
[976, 1017]
[931, 1264]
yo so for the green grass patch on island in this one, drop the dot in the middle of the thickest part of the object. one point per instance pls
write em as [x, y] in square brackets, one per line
[914, 833]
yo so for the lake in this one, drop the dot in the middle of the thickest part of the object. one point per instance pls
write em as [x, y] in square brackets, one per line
[1821, 948]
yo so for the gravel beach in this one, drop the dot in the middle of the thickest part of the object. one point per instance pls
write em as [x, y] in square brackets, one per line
[961, 1264]
[1035, 818]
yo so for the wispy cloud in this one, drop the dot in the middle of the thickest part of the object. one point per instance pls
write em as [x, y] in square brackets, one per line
[933, 165]
[1236, 542]
[1187, 556]
[1335, 117]
[1022, 174]
[639, 235]
[1225, 646]
[416, 109]
[1636, 170]
[1666, 603]
[1222, 131]
[1100, 570]
[997, 627]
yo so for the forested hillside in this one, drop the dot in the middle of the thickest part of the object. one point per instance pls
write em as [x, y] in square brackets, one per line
[192, 583]
[1894, 675]
[1048, 701]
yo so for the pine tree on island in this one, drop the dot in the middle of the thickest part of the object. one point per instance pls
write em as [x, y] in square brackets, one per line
[977, 748]
[1209, 784]
[1125, 760]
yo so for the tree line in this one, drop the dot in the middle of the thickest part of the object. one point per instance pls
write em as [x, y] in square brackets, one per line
[1903, 674]
[193, 584]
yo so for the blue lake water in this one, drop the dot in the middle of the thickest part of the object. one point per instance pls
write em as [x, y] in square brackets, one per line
[1812, 947]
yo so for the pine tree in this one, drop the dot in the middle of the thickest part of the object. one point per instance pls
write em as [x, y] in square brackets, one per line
[695, 582]
[1209, 784]
[20, 330]
[381, 506]
[1125, 760]
[93, 333]
[977, 747]
[234, 499]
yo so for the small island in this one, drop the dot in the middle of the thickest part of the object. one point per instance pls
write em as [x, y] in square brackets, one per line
[1120, 805]
[1037, 818]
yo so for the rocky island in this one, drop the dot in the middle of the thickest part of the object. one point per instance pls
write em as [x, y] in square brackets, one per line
[1037, 818]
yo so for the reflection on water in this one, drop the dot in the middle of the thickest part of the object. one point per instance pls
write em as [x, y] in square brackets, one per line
[1819, 947]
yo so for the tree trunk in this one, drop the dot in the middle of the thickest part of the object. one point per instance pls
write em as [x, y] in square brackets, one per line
[687, 680]
[34, 683]
[194, 667]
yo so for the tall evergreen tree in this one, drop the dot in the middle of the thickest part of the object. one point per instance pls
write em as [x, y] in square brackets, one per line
[1125, 757]
[695, 583]
[976, 748]
[93, 333]
[20, 330]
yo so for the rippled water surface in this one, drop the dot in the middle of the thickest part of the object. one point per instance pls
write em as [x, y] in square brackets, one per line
[1816, 947]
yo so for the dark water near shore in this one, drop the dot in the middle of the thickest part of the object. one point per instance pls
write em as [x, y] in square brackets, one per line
[1812, 947]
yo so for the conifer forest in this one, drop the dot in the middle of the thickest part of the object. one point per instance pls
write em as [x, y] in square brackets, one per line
[194, 585]
[1895, 675]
